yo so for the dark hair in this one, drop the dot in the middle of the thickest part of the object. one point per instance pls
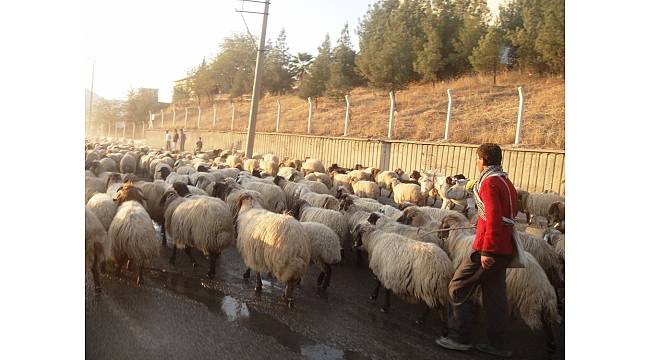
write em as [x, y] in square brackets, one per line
[490, 153]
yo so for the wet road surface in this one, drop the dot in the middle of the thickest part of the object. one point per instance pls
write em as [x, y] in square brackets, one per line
[179, 314]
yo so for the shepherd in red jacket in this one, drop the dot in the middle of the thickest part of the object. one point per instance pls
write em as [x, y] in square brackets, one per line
[496, 199]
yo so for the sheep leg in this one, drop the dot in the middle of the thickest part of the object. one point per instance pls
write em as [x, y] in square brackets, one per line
[172, 259]
[95, 271]
[386, 306]
[120, 265]
[163, 234]
[247, 273]
[139, 280]
[319, 281]
[443, 319]
[425, 313]
[213, 264]
[328, 276]
[258, 282]
[189, 255]
[288, 293]
[551, 344]
[375, 293]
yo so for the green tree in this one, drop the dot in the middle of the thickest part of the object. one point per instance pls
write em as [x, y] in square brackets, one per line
[139, 103]
[278, 78]
[524, 38]
[550, 38]
[204, 82]
[315, 82]
[429, 60]
[448, 24]
[343, 76]
[234, 65]
[389, 36]
[475, 16]
[486, 57]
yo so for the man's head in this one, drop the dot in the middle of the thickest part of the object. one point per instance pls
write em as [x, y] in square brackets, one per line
[199, 138]
[488, 154]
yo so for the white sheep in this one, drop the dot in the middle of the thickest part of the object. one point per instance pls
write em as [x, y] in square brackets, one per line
[312, 165]
[273, 195]
[269, 167]
[203, 223]
[320, 177]
[406, 193]
[128, 164]
[97, 245]
[313, 186]
[331, 218]
[365, 189]
[341, 181]
[384, 180]
[321, 200]
[325, 250]
[251, 164]
[549, 205]
[109, 164]
[131, 233]
[387, 224]
[270, 242]
[412, 270]
[103, 207]
[293, 191]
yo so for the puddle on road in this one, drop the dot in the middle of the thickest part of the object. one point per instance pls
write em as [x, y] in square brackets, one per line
[260, 323]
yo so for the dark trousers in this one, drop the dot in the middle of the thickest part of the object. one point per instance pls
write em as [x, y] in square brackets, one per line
[467, 277]
[182, 145]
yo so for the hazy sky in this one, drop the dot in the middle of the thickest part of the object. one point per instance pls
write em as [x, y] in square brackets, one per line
[147, 43]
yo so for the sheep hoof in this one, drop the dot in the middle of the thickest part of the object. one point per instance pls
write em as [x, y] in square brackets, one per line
[320, 278]
[247, 274]
[373, 297]
[195, 265]
[258, 289]
[290, 303]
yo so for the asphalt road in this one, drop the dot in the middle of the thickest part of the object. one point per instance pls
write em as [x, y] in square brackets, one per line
[179, 314]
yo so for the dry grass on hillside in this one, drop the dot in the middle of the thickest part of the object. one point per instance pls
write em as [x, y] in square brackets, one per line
[480, 112]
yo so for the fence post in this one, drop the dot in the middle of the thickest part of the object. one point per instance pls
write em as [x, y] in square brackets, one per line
[123, 129]
[277, 119]
[448, 114]
[390, 118]
[143, 129]
[133, 136]
[309, 118]
[214, 115]
[198, 120]
[174, 116]
[232, 119]
[162, 118]
[185, 118]
[150, 120]
[347, 115]
[520, 114]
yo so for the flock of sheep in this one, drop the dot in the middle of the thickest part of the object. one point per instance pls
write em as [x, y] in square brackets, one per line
[285, 214]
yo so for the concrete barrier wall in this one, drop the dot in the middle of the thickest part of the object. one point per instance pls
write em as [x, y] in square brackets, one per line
[532, 170]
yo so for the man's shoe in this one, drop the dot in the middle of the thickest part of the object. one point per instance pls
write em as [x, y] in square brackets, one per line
[489, 349]
[451, 344]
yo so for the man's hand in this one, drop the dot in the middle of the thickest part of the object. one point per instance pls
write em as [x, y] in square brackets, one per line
[486, 262]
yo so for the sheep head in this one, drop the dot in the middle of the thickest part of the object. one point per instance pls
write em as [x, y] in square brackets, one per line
[373, 218]
[128, 192]
[113, 178]
[346, 203]
[556, 211]
[181, 189]
[357, 234]
[164, 172]
[298, 164]
[358, 167]
[220, 190]
[297, 209]
[201, 168]
[374, 173]
[522, 197]
[415, 175]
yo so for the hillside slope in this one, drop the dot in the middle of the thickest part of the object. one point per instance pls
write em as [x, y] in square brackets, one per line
[480, 112]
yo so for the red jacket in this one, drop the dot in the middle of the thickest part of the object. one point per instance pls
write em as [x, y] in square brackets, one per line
[492, 236]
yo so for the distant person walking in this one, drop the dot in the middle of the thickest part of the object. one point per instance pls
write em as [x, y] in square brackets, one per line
[199, 145]
[175, 143]
[168, 140]
[492, 252]
[183, 138]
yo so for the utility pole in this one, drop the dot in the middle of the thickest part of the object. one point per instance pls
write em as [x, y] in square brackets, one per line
[257, 83]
